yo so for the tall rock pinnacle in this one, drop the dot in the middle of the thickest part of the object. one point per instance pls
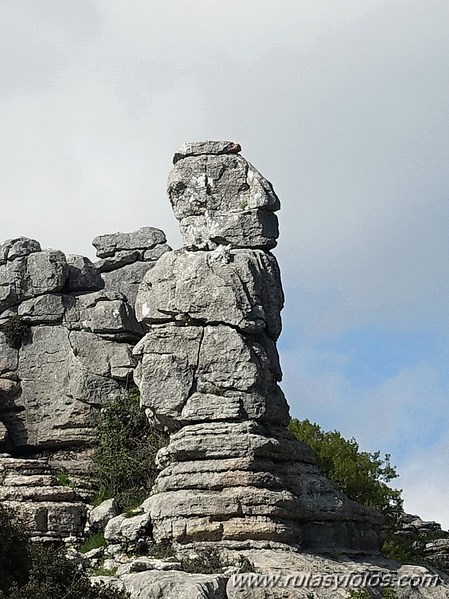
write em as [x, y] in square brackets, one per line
[209, 373]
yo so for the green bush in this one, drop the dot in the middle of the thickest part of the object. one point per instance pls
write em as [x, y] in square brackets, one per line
[123, 460]
[362, 476]
[15, 552]
[365, 477]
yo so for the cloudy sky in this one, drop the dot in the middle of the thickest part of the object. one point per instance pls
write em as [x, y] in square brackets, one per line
[342, 104]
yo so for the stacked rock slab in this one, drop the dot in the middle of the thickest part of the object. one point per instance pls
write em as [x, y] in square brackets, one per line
[208, 371]
[126, 257]
[50, 511]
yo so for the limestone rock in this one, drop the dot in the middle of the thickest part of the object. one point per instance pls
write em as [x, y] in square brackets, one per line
[174, 585]
[252, 228]
[51, 512]
[17, 248]
[47, 272]
[108, 246]
[65, 378]
[44, 309]
[125, 529]
[238, 287]
[208, 371]
[214, 360]
[3, 433]
[82, 274]
[127, 279]
[100, 515]
[105, 313]
[31, 275]
[222, 199]
[126, 257]
[199, 148]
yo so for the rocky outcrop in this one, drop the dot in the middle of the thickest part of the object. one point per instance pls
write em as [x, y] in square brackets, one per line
[50, 511]
[208, 371]
[66, 336]
[126, 257]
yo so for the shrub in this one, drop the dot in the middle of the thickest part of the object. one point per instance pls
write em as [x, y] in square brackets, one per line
[207, 562]
[362, 476]
[15, 551]
[16, 331]
[34, 571]
[124, 459]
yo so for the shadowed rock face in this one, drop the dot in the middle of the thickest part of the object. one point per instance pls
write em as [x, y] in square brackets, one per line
[208, 371]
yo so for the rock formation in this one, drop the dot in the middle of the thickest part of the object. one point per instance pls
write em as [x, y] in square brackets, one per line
[66, 339]
[209, 370]
[126, 257]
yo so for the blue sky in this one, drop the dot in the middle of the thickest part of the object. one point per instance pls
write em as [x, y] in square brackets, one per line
[342, 104]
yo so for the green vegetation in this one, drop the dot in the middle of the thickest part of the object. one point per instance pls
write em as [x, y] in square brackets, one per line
[63, 479]
[365, 477]
[16, 331]
[362, 476]
[162, 550]
[206, 562]
[34, 571]
[123, 460]
[95, 541]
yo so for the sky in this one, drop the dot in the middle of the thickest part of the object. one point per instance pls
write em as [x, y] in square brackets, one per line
[343, 105]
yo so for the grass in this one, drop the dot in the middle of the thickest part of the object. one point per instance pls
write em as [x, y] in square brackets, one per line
[95, 541]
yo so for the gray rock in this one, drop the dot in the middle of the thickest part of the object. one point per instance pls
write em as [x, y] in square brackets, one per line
[47, 272]
[174, 585]
[175, 360]
[17, 248]
[12, 283]
[49, 511]
[27, 277]
[252, 229]
[126, 280]
[65, 378]
[142, 239]
[208, 371]
[9, 358]
[100, 515]
[127, 257]
[125, 529]
[44, 309]
[3, 433]
[241, 288]
[82, 274]
[199, 148]
[222, 199]
[104, 313]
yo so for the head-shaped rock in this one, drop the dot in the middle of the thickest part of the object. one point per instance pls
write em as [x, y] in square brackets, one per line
[221, 199]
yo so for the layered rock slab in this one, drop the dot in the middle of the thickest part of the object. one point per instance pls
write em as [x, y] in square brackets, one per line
[126, 257]
[208, 371]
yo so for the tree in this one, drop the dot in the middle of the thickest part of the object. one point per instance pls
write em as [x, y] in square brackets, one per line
[362, 476]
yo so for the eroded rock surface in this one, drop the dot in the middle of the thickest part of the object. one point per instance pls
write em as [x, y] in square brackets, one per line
[208, 371]
[126, 257]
